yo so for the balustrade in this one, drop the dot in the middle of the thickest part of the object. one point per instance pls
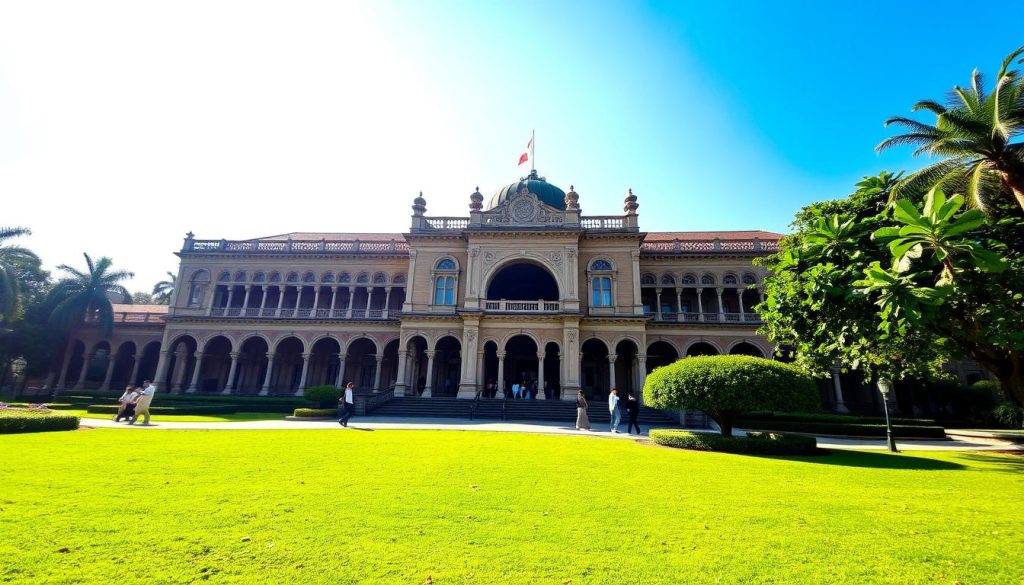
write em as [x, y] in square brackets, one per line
[539, 306]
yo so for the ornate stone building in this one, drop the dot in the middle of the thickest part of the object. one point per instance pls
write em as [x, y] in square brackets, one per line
[524, 289]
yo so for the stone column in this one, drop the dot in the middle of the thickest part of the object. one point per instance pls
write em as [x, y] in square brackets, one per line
[136, 362]
[334, 300]
[230, 385]
[161, 367]
[85, 369]
[721, 309]
[180, 367]
[611, 370]
[265, 390]
[213, 301]
[430, 374]
[110, 372]
[837, 387]
[341, 371]
[245, 299]
[700, 304]
[481, 375]
[641, 374]
[263, 298]
[316, 301]
[739, 297]
[540, 375]
[387, 300]
[679, 303]
[305, 373]
[194, 384]
[657, 301]
[500, 383]
[377, 372]
[280, 299]
[231, 295]
[351, 301]
[400, 380]
[68, 356]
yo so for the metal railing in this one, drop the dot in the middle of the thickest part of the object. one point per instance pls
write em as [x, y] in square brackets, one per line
[372, 402]
[747, 317]
[297, 313]
[712, 246]
[538, 306]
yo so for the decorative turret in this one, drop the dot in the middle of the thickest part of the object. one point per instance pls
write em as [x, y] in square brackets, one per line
[419, 206]
[572, 199]
[476, 200]
[630, 204]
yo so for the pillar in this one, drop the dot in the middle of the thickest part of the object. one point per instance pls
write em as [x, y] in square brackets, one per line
[316, 301]
[837, 388]
[657, 301]
[231, 295]
[739, 297]
[334, 300]
[194, 384]
[265, 390]
[376, 374]
[341, 371]
[387, 300]
[305, 372]
[245, 299]
[700, 304]
[263, 298]
[679, 303]
[161, 367]
[180, 367]
[641, 374]
[500, 384]
[134, 376]
[68, 356]
[400, 381]
[721, 309]
[280, 299]
[611, 370]
[85, 369]
[430, 373]
[481, 378]
[110, 372]
[230, 385]
[540, 375]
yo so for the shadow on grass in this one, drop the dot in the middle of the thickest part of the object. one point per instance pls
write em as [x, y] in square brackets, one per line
[872, 460]
[1007, 462]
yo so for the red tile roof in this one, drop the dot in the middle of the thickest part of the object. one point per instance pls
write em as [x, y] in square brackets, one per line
[122, 308]
[722, 235]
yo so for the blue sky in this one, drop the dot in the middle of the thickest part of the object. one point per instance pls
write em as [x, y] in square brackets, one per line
[132, 123]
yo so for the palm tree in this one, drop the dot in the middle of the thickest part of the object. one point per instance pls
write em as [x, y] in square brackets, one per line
[11, 257]
[974, 134]
[81, 294]
[162, 290]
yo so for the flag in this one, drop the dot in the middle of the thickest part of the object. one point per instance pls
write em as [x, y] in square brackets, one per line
[526, 155]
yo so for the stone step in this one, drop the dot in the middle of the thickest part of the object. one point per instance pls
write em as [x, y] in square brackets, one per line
[552, 410]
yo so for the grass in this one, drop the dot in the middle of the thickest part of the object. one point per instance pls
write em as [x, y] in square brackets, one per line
[233, 417]
[349, 506]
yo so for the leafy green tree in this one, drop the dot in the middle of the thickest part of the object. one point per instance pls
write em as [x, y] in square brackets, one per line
[726, 386]
[15, 262]
[141, 297]
[82, 294]
[163, 290]
[974, 134]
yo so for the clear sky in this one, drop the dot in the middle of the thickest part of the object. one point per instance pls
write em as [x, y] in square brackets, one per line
[124, 125]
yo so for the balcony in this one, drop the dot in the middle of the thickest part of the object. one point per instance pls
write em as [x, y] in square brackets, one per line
[752, 246]
[270, 246]
[304, 313]
[505, 306]
[715, 318]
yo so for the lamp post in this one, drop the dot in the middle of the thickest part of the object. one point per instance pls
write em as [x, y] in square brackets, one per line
[885, 388]
[18, 368]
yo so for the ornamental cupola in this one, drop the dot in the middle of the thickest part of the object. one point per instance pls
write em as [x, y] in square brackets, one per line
[419, 206]
[631, 205]
[476, 200]
[572, 199]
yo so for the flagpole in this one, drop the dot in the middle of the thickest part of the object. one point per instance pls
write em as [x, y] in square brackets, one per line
[533, 146]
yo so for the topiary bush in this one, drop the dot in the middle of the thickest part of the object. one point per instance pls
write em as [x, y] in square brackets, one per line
[16, 420]
[315, 412]
[752, 444]
[325, 396]
[1009, 415]
[725, 386]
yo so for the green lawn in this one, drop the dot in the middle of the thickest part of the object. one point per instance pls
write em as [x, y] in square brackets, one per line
[233, 417]
[350, 506]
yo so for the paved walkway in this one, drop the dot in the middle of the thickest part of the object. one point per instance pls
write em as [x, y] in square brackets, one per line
[543, 427]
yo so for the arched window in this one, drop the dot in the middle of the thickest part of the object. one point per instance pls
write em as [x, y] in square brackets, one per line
[399, 279]
[345, 278]
[707, 279]
[601, 283]
[363, 278]
[729, 279]
[200, 279]
[275, 277]
[648, 279]
[668, 279]
[309, 277]
[327, 277]
[689, 279]
[598, 265]
[445, 264]
[293, 277]
[444, 290]
[380, 278]
[259, 277]
[224, 277]
[749, 278]
[239, 276]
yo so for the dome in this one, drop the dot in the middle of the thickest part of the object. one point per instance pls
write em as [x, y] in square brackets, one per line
[546, 192]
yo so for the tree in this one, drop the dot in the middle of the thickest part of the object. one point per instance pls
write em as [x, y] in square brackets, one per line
[141, 297]
[82, 294]
[163, 290]
[726, 386]
[15, 261]
[974, 134]
[899, 291]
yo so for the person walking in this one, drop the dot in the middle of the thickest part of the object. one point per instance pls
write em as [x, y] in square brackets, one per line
[126, 409]
[582, 420]
[347, 405]
[142, 402]
[613, 409]
[633, 411]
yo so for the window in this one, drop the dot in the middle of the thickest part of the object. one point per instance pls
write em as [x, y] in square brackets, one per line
[445, 264]
[444, 290]
[597, 265]
[198, 288]
[602, 286]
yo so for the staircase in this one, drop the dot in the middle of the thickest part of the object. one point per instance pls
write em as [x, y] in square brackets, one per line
[490, 409]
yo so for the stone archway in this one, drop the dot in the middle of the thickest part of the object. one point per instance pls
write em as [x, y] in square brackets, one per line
[252, 365]
[594, 379]
[521, 365]
[746, 348]
[660, 354]
[701, 348]
[447, 361]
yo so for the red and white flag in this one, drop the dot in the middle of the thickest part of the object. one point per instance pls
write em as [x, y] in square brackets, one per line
[526, 155]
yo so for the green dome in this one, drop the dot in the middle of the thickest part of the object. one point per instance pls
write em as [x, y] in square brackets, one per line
[546, 192]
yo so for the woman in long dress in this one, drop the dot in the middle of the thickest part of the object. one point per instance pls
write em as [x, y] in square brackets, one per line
[582, 420]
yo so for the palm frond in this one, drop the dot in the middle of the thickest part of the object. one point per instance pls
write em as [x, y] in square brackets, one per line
[904, 140]
[917, 183]
[929, 105]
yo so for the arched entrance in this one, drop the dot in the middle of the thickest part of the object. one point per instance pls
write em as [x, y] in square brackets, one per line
[124, 363]
[745, 348]
[285, 377]
[324, 363]
[552, 372]
[252, 365]
[701, 348]
[361, 363]
[182, 362]
[523, 281]
[626, 368]
[521, 363]
[447, 367]
[492, 389]
[594, 379]
[147, 366]
[416, 368]
[660, 354]
[389, 366]
[213, 373]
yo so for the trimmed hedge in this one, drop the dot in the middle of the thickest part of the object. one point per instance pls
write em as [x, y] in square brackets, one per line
[27, 421]
[727, 386]
[857, 430]
[195, 409]
[752, 444]
[315, 412]
[835, 418]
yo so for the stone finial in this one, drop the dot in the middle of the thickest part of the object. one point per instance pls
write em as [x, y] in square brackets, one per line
[419, 205]
[572, 199]
[631, 205]
[476, 200]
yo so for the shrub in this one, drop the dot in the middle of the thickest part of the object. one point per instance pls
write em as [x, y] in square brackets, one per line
[315, 412]
[325, 396]
[725, 386]
[752, 444]
[1009, 415]
[14, 420]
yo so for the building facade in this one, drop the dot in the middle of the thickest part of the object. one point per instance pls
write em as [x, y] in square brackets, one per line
[525, 289]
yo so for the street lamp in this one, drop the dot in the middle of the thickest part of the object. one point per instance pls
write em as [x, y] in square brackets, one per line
[18, 368]
[885, 388]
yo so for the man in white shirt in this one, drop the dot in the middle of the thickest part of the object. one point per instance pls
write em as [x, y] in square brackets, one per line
[347, 404]
[142, 403]
[613, 409]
